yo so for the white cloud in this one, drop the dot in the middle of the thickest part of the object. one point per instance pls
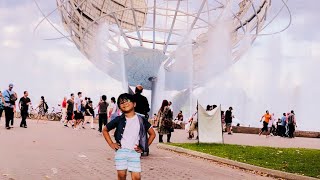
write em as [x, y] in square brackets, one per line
[50, 68]
[11, 44]
[10, 29]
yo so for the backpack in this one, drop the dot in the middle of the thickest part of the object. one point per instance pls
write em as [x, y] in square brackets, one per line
[103, 107]
[12, 98]
[45, 107]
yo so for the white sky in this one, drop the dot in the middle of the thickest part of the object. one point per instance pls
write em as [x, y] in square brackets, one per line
[56, 68]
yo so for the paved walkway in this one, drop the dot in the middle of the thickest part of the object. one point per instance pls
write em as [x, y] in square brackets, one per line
[50, 151]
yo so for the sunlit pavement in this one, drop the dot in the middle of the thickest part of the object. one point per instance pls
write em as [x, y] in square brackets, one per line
[51, 151]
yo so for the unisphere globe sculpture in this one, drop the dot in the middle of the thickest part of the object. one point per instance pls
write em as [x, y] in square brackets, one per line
[149, 32]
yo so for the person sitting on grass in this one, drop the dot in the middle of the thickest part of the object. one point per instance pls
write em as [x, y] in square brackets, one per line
[131, 138]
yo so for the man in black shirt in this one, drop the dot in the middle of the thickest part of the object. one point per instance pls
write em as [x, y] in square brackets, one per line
[24, 106]
[228, 119]
[142, 105]
[70, 105]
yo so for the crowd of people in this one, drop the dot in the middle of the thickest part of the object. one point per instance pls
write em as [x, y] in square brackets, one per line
[77, 112]
[284, 126]
[10, 104]
[129, 116]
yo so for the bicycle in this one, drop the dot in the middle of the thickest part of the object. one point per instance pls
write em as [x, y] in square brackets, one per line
[54, 115]
[33, 114]
[17, 114]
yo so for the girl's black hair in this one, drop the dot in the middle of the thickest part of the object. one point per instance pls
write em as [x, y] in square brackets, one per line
[164, 104]
[104, 97]
[125, 96]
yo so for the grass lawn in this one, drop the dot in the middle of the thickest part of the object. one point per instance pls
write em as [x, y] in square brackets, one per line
[300, 161]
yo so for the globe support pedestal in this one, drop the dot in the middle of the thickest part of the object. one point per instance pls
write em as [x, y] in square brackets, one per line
[153, 81]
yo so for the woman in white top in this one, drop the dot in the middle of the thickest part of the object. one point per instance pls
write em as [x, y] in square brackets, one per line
[113, 111]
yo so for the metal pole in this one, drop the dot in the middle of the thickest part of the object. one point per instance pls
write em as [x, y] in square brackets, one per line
[153, 81]
[171, 29]
[154, 24]
[135, 22]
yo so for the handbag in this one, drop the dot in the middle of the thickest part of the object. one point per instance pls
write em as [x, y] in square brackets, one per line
[12, 98]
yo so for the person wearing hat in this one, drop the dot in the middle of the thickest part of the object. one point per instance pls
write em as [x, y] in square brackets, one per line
[228, 119]
[142, 104]
[9, 98]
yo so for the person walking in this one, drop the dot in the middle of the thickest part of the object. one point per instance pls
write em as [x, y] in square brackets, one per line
[266, 121]
[64, 109]
[70, 110]
[10, 98]
[131, 138]
[291, 124]
[77, 110]
[24, 103]
[103, 113]
[228, 119]
[165, 121]
[142, 104]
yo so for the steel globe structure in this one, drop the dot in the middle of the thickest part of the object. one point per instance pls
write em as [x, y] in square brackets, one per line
[148, 32]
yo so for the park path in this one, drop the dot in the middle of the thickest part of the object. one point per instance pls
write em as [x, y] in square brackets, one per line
[51, 151]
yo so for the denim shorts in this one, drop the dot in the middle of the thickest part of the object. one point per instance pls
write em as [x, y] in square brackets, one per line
[127, 159]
